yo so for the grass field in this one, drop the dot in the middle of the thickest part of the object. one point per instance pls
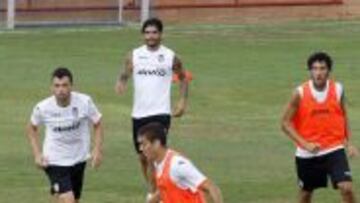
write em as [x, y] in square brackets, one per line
[244, 74]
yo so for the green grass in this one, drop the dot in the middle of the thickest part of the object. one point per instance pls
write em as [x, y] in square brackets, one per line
[244, 74]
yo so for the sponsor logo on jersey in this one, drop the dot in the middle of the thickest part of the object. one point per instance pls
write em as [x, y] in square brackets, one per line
[156, 72]
[68, 128]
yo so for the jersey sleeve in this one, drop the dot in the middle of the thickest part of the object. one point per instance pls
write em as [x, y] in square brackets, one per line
[187, 175]
[36, 117]
[93, 112]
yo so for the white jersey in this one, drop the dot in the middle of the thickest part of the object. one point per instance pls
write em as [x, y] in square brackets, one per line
[320, 96]
[182, 172]
[67, 129]
[152, 74]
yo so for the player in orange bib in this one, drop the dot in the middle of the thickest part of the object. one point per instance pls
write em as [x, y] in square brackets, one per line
[177, 179]
[315, 119]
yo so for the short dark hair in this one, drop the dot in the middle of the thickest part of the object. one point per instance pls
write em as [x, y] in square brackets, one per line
[152, 22]
[320, 57]
[61, 72]
[154, 131]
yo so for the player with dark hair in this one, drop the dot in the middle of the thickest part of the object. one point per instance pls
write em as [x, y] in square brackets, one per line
[67, 116]
[152, 66]
[152, 22]
[177, 179]
[316, 120]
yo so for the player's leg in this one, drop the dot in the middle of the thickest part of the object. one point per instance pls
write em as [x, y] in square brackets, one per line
[305, 196]
[346, 191]
[137, 124]
[311, 175]
[77, 180]
[67, 197]
[340, 175]
[61, 187]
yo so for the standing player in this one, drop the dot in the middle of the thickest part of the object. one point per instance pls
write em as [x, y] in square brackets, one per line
[177, 179]
[152, 66]
[316, 120]
[67, 116]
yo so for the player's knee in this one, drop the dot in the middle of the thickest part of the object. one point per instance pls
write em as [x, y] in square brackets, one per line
[67, 197]
[345, 188]
[305, 194]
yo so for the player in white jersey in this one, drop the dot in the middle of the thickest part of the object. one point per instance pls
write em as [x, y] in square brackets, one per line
[67, 117]
[152, 66]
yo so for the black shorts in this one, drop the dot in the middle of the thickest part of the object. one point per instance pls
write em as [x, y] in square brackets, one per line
[313, 173]
[66, 178]
[164, 119]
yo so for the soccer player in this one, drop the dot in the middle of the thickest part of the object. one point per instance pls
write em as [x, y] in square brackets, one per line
[152, 66]
[315, 119]
[67, 116]
[177, 179]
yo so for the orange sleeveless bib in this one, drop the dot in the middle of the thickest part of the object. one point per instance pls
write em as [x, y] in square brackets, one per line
[170, 192]
[322, 123]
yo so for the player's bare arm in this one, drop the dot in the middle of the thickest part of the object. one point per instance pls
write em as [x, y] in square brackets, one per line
[184, 87]
[351, 149]
[97, 153]
[124, 75]
[212, 190]
[287, 126]
[34, 137]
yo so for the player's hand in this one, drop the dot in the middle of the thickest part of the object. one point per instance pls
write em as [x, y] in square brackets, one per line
[312, 147]
[352, 151]
[41, 162]
[96, 158]
[180, 108]
[120, 88]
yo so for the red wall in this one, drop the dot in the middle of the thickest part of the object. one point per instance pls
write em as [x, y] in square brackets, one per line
[237, 2]
[131, 4]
